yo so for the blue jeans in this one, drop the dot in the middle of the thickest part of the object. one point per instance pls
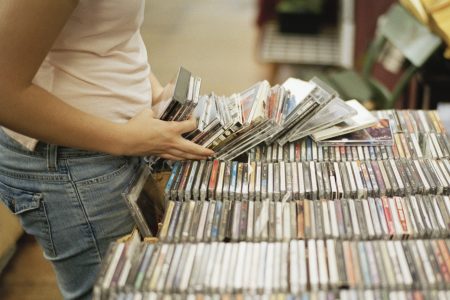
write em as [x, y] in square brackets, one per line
[70, 200]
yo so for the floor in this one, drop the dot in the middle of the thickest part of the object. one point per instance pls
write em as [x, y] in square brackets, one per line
[28, 276]
[215, 40]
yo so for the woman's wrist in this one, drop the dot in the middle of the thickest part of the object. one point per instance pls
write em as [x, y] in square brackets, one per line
[121, 141]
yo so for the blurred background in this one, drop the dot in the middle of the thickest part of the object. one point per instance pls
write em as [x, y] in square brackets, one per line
[215, 40]
[232, 44]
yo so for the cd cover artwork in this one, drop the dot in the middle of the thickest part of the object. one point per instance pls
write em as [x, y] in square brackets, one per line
[377, 135]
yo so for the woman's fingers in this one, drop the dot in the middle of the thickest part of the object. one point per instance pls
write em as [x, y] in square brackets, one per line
[186, 126]
[192, 148]
[185, 155]
[174, 154]
[171, 157]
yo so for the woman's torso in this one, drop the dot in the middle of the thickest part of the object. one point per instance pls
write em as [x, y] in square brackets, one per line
[98, 63]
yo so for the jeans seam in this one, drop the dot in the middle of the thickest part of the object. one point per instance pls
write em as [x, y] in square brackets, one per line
[77, 195]
[35, 177]
[50, 242]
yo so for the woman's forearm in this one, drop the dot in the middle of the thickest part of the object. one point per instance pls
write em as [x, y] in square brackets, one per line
[36, 113]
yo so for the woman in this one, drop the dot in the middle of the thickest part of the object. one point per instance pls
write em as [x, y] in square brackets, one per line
[74, 73]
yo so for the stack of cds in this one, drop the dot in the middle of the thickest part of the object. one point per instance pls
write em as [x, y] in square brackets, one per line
[283, 115]
[184, 99]
[301, 219]
[232, 125]
[181, 104]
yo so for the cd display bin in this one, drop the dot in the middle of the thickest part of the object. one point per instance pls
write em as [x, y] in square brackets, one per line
[300, 221]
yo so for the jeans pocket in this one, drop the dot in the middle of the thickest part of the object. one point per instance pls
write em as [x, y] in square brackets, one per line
[98, 170]
[31, 210]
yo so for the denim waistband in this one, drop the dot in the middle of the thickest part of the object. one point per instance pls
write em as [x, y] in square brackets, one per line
[43, 149]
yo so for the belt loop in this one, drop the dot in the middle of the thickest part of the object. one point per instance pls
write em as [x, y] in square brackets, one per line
[52, 157]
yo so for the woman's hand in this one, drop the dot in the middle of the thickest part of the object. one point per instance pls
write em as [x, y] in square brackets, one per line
[145, 135]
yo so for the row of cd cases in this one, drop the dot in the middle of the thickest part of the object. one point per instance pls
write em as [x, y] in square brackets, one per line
[405, 145]
[350, 294]
[219, 180]
[346, 219]
[416, 134]
[294, 268]
[412, 121]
